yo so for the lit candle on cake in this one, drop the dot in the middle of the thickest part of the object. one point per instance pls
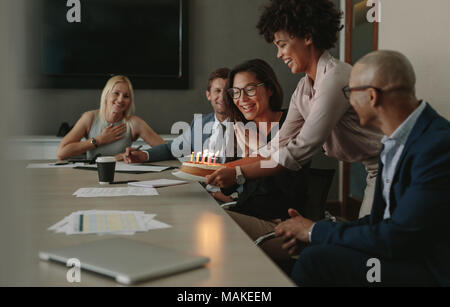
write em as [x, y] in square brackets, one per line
[192, 156]
[198, 156]
[204, 155]
[209, 158]
[215, 156]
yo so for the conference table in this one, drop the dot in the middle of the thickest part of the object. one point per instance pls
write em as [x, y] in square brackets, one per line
[199, 226]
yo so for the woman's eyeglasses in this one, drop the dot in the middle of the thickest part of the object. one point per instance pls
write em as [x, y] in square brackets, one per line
[249, 90]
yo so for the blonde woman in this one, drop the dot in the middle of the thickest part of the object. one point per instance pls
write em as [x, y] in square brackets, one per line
[112, 128]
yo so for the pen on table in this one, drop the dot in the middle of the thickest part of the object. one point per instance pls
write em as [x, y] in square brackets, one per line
[61, 163]
[123, 182]
[80, 226]
[129, 154]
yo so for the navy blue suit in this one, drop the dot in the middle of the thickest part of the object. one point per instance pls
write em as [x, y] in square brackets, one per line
[164, 151]
[414, 244]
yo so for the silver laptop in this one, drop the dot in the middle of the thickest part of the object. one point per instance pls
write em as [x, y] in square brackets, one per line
[126, 260]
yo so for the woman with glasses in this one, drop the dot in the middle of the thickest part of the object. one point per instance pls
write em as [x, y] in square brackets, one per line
[254, 99]
[253, 95]
[320, 117]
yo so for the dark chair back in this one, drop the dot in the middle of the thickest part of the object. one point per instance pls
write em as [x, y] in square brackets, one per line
[319, 185]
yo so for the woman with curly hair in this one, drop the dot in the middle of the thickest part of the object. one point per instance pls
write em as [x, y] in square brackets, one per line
[320, 116]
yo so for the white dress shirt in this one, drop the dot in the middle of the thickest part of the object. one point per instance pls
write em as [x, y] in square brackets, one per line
[217, 144]
[393, 148]
[218, 140]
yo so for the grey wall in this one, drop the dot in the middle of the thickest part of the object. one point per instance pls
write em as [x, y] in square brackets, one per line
[18, 244]
[221, 33]
[401, 23]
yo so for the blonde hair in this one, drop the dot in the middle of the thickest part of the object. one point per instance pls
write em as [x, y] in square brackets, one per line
[107, 89]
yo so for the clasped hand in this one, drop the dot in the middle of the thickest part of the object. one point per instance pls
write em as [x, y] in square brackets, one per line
[293, 231]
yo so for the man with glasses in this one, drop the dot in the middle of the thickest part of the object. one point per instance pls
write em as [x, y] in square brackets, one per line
[407, 234]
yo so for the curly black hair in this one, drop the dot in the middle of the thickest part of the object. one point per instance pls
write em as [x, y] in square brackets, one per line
[318, 19]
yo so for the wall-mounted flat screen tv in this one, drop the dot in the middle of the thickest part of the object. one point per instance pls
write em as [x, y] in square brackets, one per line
[80, 47]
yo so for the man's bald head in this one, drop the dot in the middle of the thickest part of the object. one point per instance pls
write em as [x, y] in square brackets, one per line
[386, 70]
[386, 93]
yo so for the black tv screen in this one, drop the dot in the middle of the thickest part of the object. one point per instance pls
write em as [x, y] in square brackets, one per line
[142, 39]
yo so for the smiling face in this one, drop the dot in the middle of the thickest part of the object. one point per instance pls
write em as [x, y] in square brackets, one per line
[256, 107]
[293, 51]
[215, 96]
[118, 99]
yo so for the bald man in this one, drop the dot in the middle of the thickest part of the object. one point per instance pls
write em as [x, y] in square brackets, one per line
[405, 240]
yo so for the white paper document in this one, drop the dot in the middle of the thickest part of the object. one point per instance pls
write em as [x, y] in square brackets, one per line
[157, 183]
[114, 192]
[107, 222]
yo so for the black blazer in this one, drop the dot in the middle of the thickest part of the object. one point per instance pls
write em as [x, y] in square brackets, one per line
[164, 151]
[419, 227]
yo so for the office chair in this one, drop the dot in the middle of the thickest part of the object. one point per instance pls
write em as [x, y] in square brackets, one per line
[319, 185]
[228, 205]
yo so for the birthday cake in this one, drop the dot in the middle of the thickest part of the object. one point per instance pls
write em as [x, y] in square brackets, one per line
[199, 168]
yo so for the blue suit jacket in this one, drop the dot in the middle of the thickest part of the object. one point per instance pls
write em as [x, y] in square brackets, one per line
[419, 227]
[164, 151]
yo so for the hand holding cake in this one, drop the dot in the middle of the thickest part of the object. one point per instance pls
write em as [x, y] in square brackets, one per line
[223, 177]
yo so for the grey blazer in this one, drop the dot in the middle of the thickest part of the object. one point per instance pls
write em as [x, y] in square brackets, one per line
[164, 151]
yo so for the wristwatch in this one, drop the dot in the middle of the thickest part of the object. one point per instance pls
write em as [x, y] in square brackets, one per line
[310, 232]
[240, 179]
[94, 142]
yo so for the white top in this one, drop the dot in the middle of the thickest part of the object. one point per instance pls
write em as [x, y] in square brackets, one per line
[320, 117]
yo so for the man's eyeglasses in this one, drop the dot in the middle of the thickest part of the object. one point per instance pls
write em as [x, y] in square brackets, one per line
[348, 90]
[250, 90]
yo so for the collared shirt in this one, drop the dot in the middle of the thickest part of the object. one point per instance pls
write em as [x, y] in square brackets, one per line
[201, 127]
[393, 148]
[216, 144]
[321, 117]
